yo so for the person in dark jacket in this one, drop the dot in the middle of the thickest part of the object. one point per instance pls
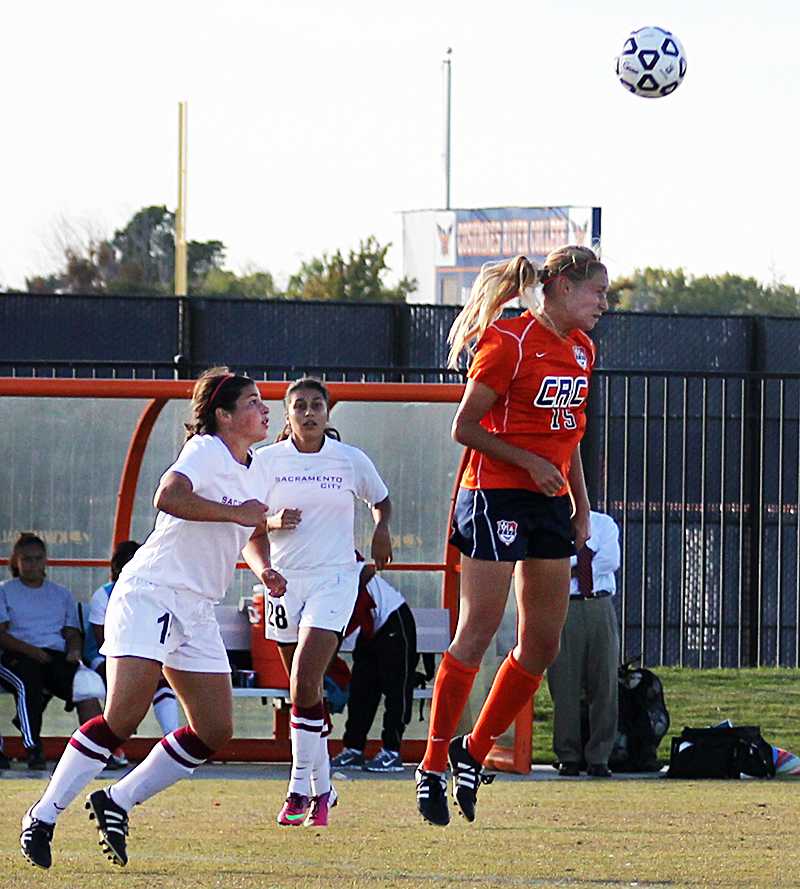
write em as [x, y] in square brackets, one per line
[384, 664]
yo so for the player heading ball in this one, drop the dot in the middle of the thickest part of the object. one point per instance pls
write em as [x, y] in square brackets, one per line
[522, 507]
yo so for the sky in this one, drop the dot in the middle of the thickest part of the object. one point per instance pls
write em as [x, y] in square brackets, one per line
[312, 124]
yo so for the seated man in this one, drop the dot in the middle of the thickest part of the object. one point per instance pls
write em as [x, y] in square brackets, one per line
[384, 662]
[40, 643]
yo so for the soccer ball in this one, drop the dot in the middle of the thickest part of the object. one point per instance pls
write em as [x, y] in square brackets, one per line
[652, 63]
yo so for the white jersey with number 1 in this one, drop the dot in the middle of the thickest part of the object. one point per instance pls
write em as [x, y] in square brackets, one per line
[200, 556]
[324, 485]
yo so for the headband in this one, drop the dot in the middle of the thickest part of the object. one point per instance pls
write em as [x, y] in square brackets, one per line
[219, 385]
[574, 264]
[551, 279]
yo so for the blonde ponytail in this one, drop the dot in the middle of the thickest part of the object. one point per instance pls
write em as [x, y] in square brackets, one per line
[497, 283]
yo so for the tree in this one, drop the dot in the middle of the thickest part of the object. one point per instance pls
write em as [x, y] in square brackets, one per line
[663, 290]
[138, 259]
[253, 285]
[145, 252]
[355, 279]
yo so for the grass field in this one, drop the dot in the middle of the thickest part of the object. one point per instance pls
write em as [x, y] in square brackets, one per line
[530, 832]
[211, 833]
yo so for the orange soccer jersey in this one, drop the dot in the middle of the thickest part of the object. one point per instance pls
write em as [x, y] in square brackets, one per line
[542, 382]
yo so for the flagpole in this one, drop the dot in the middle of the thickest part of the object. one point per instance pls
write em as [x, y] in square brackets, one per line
[181, 259]
[447, 107]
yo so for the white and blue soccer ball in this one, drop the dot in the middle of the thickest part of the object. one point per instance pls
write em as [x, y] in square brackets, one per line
[652, 63]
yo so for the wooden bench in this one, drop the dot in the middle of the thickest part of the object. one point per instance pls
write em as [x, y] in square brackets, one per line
[433, 636]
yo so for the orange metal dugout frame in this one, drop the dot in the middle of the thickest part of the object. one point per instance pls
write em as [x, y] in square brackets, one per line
[158, 393]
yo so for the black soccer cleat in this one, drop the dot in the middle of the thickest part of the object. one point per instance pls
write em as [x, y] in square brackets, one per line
[432, 797]
[112, 825]
[467, 777]
[35, 839]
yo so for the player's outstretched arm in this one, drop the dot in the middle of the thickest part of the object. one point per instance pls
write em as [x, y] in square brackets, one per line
[467, 430]
[176, 497]
[285, 520]
[381, 537]
[581, 524]
[257, 555]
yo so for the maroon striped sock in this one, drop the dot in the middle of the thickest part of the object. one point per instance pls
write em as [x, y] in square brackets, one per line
[98, 732]
[326, 715]
[188, 743]
[176, 756]
[314, 712]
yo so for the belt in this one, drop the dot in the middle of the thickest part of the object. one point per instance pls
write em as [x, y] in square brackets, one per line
[597, 594]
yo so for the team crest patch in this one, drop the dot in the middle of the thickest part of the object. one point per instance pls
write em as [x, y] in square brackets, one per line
[581, 357]
[507, 531]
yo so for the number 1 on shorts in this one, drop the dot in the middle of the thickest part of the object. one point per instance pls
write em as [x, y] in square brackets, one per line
[164, 619]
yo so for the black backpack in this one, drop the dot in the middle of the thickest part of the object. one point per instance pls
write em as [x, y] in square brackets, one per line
[721, 751]
[643, 721]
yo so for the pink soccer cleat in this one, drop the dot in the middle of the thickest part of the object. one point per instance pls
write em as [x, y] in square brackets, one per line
[320, 809]
[294, 810]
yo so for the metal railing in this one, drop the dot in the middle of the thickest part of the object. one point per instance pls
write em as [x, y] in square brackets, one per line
[702, 473]
[179, 369]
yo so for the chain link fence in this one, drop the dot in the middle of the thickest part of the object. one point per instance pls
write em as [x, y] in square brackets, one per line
[692, 442]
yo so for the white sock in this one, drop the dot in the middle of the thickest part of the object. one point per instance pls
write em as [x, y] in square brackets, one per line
[174, 757]
[306, 725]
[321, 770]
[165, 707]
[84, 757]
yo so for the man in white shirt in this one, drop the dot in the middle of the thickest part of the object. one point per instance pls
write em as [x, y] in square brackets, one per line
[588, 660]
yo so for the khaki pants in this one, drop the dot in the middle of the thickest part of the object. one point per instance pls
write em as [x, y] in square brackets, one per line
[587, 663]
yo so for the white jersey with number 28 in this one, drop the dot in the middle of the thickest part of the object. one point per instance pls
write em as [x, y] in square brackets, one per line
[324, 485]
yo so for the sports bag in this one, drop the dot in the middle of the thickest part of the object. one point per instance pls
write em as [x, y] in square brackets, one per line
[721, 751]
[643, 720]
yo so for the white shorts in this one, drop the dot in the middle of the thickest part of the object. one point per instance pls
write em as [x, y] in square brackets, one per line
[175, 627]
[323, 599]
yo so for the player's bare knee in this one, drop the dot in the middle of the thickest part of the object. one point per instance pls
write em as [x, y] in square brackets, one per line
[549, 654]
[535, 655]
[305, 693]
[217, 735]
[552, 652]
[123, 725]
[470, 647]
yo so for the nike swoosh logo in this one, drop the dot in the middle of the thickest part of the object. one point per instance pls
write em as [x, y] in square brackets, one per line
[540, 354]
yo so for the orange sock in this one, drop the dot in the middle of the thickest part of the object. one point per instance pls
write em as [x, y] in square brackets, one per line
[450, 692]
[512, 688]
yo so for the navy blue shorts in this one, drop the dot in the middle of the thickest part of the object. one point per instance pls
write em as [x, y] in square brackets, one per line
[509, 525]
